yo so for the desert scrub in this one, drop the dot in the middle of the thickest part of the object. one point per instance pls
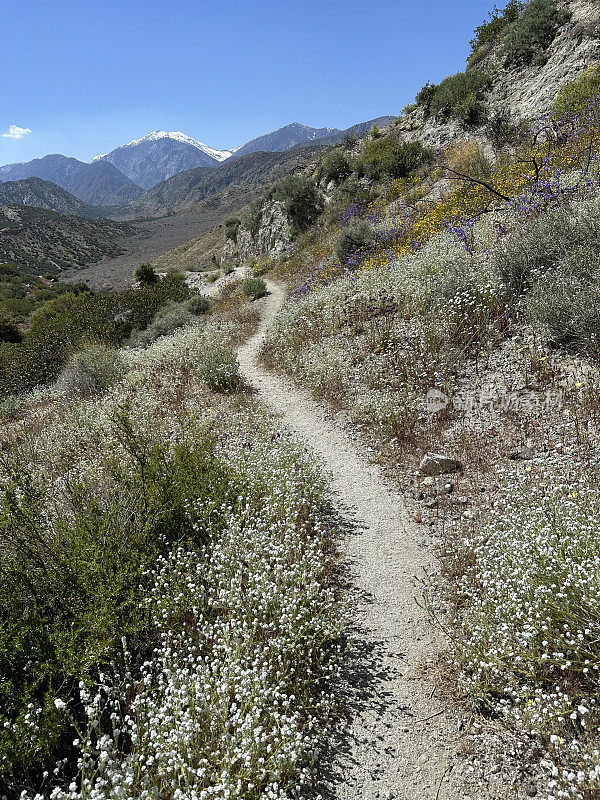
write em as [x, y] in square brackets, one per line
[335, 166]
[490, 31]
[468, 158]
[165, 322]
[254, 288]
[92, 370]
[387, 157]
[59, 327]
[538, 246]
[530, 35]
[301, 200]
[357, 235]
[198, 305]
[564, 304]
[192, 633]
[528, 630]
[575, 97]
[458, 96]
[231, 228]
[375, 341]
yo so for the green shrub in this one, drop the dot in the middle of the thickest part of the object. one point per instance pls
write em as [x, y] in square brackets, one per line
[301, 200]
[490, 31]
[219, 369]
[538, 246]
[500, 128]
[254, 288]
[355, 236]
[146, 275]
[386, 156]
[9, 331]
[92, 370]
[425, 95]
[458, 96]
[530, 35]
[231, 228]
[71, 586]
[335, 166]
[198, 305]
[59, 327]
[167, 320]
[576, 95]
[251, 218]
[565, 303]
[12, 406]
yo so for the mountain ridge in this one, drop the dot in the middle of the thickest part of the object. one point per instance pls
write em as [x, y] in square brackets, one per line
[38, 193]
[100, 183]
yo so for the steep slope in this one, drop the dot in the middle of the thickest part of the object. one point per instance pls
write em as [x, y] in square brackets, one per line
[160, 155]
[293, 135]
[38, 240]
[44, 194]
[100, 183]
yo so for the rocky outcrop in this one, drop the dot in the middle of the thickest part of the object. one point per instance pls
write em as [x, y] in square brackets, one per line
[273, 235]
[523, 92]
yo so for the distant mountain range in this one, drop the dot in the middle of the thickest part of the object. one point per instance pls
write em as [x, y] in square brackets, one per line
[293, 135]
[118, 177]
[175, 170]
[98, 183]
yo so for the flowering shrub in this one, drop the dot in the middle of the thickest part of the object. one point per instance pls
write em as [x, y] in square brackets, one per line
[206, 553]
[528, 645]
[576, 96]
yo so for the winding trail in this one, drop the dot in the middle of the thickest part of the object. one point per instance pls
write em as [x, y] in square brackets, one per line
[399, 741]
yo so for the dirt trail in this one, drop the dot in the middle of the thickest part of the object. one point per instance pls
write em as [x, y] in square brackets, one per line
[396, 743]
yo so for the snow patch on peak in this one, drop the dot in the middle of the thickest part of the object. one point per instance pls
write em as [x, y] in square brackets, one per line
[177, 136]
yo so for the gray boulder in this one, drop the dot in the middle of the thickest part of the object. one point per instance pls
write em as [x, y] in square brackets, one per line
[438, 464]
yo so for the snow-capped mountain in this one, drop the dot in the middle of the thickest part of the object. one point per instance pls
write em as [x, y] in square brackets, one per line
[161, 154]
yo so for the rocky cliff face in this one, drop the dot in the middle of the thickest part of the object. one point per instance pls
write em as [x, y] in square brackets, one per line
[274, 234]
[523, 92]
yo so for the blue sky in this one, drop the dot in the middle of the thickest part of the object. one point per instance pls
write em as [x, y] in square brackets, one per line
[85, 77]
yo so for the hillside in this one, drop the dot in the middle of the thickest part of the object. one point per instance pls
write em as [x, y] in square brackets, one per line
[99, 183]
[44, 194]
[44, 241]
[311, 511]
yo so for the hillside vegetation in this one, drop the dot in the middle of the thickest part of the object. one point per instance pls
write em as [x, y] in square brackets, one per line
[471, 272]
[46, 241]
[172, 615]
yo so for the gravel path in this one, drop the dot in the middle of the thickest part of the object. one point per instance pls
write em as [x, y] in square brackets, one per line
[398, 741]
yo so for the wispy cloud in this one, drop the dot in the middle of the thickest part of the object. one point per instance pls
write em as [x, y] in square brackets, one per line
[16, 132]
